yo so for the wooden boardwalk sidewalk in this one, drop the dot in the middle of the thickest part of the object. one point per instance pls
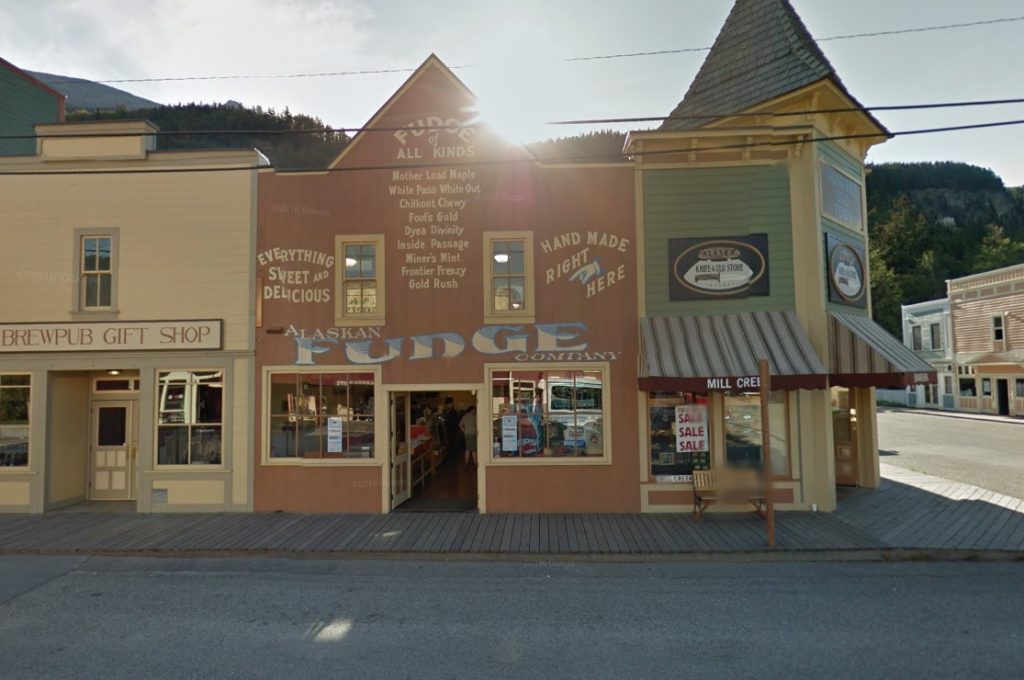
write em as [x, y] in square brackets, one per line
[421, 533]
[909, 511]
[916, 511]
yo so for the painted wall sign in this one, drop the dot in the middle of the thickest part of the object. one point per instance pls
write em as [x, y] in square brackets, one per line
[541, 342]
[847, 282]
[734, 267]
[841, 197]
[296, 275]
[691, 428]
[579, 259]
[123, 336]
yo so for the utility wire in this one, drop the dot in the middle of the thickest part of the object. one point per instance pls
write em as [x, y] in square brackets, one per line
[900, 31]
[578, 160]
[585, 121]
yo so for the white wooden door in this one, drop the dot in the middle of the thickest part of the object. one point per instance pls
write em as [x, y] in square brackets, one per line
[401, 467]
[113, 443]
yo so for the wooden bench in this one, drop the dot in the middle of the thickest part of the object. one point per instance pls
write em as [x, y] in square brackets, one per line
[728, 485]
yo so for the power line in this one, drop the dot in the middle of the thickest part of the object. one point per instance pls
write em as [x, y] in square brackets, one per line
[460, 126]
[579, 160]
[621, 55]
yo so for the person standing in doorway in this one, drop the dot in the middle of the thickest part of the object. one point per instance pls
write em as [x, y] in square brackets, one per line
[468, 426]
[450, 417]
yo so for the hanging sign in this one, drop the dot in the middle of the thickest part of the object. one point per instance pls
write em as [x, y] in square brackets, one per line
[846, 279]
[334, 434]
[691, 428]
[734, 267]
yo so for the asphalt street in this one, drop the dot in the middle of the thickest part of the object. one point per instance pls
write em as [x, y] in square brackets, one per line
[982, 453]
[277, 618]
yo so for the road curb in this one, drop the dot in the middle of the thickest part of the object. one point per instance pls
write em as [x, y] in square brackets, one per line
[766, 555]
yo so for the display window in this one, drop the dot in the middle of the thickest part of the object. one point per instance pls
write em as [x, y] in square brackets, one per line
[680, 434]
[743, 428]
[15, 393]
[321, 415]
[190, 417]
[549, 414]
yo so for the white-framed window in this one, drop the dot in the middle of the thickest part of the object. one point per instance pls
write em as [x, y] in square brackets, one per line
[947, 382]
[915, 339]
[115, 385]
[95, 284]
[508, 277]
[997, 328]
[935, 333]
[550, 414]
[190, 417]
[15, 426]
[319, 415]
[360, 263]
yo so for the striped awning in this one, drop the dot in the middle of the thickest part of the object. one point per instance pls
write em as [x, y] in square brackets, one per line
[863, 354]
[721, 353]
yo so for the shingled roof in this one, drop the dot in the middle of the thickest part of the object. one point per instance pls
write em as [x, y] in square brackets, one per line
[762, 52]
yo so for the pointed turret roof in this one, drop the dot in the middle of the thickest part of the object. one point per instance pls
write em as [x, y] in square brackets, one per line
[763, 51]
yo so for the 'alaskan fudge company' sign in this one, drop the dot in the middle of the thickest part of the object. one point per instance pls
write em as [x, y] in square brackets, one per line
[733, 267]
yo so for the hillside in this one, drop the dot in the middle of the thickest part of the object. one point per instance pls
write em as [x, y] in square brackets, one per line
[929, 222]
[286, 151]
[91, 96]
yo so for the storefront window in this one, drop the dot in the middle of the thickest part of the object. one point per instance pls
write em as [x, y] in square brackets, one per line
[1020, 388]
[968, 388]
[548, 414]
[986, 387]
[14, 420]
[743, 446]
[190, 417]
[321, 415]
[680, 434]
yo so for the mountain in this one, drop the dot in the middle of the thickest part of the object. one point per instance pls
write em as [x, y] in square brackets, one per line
[90, 96]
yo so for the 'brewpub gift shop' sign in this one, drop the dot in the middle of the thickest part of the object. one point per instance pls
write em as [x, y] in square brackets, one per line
[733, 267]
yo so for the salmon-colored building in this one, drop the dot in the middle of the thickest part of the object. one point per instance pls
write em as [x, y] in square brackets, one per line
[434, 268]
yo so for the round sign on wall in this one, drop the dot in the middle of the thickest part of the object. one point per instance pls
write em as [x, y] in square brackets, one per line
[846, 268]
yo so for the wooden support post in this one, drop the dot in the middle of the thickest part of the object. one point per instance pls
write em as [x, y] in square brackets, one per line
[766, 448]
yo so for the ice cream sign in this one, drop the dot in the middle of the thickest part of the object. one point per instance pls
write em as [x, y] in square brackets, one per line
[732, 267]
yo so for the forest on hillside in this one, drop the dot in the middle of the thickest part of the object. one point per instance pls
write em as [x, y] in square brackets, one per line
[927, 222]
[254, 127]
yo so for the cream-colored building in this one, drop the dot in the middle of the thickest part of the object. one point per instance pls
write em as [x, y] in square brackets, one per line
[127, 302]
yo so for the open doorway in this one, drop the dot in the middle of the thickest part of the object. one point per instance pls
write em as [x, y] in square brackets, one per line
[432, 468]
[1003, 396]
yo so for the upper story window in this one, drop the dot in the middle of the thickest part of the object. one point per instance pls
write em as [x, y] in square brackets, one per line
[936, 336]
[97, 272]
[841, 197]
[915, 334]
[997, 328]
[508, 265]
[360, 280]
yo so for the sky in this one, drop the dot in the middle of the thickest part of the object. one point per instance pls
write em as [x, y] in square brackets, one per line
[514, 52]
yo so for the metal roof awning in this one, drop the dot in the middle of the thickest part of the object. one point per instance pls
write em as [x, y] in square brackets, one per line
[719, 353]
[863, 354]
